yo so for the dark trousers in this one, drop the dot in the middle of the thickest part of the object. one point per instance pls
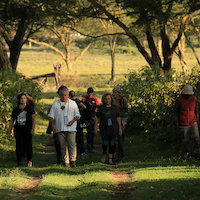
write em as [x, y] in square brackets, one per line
[108, 140]
[23, 145]
[57, 145]
[80, 141]
[120, 140]
[90, 135]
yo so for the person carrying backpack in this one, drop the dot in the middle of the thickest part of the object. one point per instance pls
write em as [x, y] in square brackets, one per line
[124, 111]
[92, 104]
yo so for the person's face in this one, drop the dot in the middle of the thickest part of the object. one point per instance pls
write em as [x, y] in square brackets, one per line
[116, 94]
[23, 99]
[90, 95]
[108, 100]
[187, 96]
[64, 96]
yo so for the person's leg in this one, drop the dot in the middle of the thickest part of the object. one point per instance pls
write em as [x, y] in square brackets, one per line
[57, 147]
[71, 140]
[121, 144]
[80, 141]
[195, 137]
[63, 147]
[28, 148]
[90, 135]
[111, 139]
[185, 131]
[19, 144]
[104, 137]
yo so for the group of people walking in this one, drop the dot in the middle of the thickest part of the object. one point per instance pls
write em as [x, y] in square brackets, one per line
[69, 115]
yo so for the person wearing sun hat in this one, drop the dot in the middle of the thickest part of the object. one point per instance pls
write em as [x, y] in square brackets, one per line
[122, 104]
[185, 115]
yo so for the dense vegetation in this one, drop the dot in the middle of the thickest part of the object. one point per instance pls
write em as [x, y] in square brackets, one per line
[12, 83]
[151, 96]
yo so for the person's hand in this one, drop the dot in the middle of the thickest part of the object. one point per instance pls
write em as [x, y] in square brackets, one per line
[70, 123]
[120, 132]
[32, 132]
[176, 123]
[53, 128]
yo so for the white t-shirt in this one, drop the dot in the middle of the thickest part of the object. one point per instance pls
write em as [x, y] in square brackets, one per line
[63, 113]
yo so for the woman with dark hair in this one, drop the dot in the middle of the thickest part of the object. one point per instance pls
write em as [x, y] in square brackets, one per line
[24, 117]
[110, 125]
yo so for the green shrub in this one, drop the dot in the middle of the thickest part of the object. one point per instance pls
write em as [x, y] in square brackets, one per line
[11, 83]
[151, 96]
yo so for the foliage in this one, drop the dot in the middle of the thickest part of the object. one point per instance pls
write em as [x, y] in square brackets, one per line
[12, 83]
[151, 96]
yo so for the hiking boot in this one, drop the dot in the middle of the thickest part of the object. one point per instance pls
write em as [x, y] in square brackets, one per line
[30, 164]
[103, 158]
[73, 164]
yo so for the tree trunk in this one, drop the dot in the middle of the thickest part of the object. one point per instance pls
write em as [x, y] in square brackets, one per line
[17, 43]
[112, 44]
[152, 47]
[4, 60]
[193, 49]
[181, 50]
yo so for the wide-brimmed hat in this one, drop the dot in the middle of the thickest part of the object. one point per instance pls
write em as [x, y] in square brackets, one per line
[188, 89]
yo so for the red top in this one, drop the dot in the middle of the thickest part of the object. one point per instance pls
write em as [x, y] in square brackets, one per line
[187, 114]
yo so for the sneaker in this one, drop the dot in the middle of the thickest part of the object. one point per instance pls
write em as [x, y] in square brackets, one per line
[30, 164]
[103, 158]
[110, 162]
[67, 165]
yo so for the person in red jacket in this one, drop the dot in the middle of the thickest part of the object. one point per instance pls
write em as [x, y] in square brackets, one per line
[185, 115]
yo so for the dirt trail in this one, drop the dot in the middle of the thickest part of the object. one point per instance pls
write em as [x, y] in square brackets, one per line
[26, 189]
[121, 178]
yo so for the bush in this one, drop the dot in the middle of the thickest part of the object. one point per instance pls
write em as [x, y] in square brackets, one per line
[151, 96]
[11, 83]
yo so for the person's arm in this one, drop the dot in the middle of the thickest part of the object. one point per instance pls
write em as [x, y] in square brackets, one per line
[125, 109]
[73, 120]
[120, 125]
[197, 113]
[175, 113]
[31, 100]
[10, 128]
[82, 106]
[33, 124]
[96, 125]
[53, 127]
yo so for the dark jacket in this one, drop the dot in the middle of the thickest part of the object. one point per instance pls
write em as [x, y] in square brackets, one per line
[185, 111]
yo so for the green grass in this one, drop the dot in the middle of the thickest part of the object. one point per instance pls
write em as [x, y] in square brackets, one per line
[156, 171]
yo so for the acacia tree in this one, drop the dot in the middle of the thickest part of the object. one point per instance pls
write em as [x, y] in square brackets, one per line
[64, 35]
[148, 17]
[19, 19]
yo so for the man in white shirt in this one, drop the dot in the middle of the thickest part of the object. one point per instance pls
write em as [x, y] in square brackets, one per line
[63, 116]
